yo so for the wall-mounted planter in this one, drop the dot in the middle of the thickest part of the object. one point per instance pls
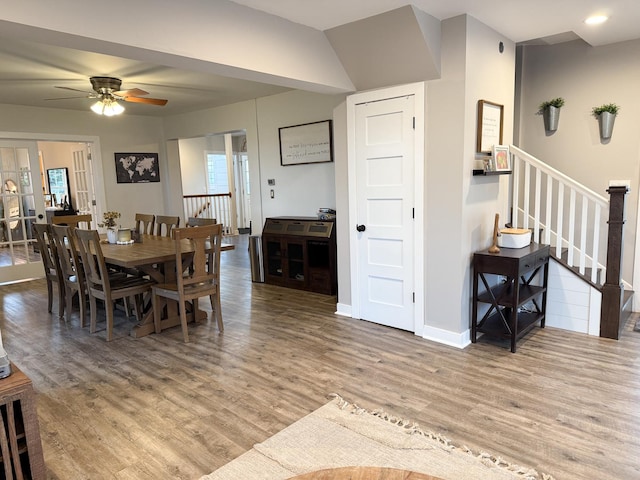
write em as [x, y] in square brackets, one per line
[606, 115]
[551, 117]
[550, 111]
[605, 122]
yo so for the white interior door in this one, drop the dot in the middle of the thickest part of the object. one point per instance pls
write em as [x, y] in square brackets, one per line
[385, 206]
[84, 196]
[21, 204]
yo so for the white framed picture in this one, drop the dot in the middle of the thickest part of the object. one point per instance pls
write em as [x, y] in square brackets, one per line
[501, 158]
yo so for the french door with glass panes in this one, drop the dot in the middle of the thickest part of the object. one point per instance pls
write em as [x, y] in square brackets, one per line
[21, 205]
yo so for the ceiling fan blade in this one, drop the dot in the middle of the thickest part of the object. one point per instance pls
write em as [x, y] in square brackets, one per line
[150, 101]
[74, 90]
[134, 92]
[68, 98]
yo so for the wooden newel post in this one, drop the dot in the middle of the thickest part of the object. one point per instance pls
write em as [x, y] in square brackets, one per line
[612, 290]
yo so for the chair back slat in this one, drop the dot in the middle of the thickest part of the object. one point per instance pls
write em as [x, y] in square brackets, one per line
[47, 248]
[145, 223]
[169, 222]
[73, 221]
[206, 242]
[65, 247]
[95, 267]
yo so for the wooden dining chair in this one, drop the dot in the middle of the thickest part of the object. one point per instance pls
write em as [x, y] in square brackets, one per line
[198, 274]
[73, 221]
[199, 221]
[101, 285]
[145, 223]
[71, 269]
[169, 222]
[52, 273]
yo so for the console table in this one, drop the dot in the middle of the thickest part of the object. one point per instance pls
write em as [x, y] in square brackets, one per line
[506, 317]
[20, 442]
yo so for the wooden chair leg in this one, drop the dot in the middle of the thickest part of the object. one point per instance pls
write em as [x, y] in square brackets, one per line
[60, 300]
[183, 321]
[82, 302]
[68, 305]
[94, 314]
[50, 294]
[218, 312]
[109, 311]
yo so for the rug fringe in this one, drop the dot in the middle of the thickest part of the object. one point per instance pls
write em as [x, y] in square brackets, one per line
[413, 428]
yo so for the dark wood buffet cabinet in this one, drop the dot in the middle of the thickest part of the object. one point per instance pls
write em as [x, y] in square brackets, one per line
[525, 271]
[300, 252]
[20, 443]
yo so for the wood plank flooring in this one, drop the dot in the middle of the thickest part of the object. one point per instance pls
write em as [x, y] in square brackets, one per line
[155, 408]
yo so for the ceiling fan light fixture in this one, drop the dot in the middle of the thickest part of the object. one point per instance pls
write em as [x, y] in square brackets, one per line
[107, 107]
[596, 19]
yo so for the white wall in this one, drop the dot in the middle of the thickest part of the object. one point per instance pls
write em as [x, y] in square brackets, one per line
[192, 166]
[460, 208]
[299, 189]
[586, 77]
[125, 133]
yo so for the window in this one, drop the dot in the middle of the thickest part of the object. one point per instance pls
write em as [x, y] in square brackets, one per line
[217, 176]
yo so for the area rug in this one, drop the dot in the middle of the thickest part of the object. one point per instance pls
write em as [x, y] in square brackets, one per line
[341, 434]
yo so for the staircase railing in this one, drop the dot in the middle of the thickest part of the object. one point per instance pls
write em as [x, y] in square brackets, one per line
[219, 206]
[567, 215]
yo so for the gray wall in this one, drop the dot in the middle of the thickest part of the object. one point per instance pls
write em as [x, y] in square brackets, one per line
[586, 77]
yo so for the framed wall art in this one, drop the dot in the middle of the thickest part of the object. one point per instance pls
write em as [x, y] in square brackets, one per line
[490, 126]
[137, 167]
[306, 143]
[501, 161]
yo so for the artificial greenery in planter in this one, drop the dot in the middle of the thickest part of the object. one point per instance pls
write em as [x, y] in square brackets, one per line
[550, 111]
[606, 115]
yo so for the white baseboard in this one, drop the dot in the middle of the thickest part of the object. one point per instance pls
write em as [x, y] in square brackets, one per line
[344, 310]
[446, 337]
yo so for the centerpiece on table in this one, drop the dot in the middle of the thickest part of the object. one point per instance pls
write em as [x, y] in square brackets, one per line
[109, 221]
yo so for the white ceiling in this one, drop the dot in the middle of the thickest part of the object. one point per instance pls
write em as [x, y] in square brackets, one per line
[29, 71]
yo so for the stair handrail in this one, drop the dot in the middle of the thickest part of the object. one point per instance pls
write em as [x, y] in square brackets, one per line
[575, 189]
[596, 197]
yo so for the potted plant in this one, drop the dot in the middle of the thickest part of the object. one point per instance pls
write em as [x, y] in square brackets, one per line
[550, 111]
[109, 221]
[606, 115]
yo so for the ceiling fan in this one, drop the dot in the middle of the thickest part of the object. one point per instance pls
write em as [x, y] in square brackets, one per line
[107, 91]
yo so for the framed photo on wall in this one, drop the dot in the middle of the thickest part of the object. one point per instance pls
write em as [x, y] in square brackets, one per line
[137, 167]
[306, 143]
[501, 160]
[490, 125]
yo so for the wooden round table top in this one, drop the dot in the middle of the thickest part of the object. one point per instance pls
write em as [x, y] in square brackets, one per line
[364, 473]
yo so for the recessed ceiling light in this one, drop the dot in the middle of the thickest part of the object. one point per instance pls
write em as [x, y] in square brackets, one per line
[596, 19]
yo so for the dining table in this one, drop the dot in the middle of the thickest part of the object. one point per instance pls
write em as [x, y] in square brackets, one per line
[154, 256]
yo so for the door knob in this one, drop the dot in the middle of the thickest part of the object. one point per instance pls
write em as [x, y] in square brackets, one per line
[361, 228]
[40, 216]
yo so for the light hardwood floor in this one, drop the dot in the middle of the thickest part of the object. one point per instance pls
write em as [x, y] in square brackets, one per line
[155, 408]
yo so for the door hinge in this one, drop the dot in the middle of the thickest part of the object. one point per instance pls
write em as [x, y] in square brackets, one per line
[413, 213]
[414, 297]
[414, 123]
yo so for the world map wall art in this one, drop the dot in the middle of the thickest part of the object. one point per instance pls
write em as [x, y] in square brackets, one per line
[137, 167]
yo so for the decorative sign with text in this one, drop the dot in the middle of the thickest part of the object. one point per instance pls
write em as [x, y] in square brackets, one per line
[307, 143]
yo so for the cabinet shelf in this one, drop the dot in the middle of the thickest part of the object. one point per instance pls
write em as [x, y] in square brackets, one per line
[494, 326]
[526, 270]
[480, 172]
[504, 294]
